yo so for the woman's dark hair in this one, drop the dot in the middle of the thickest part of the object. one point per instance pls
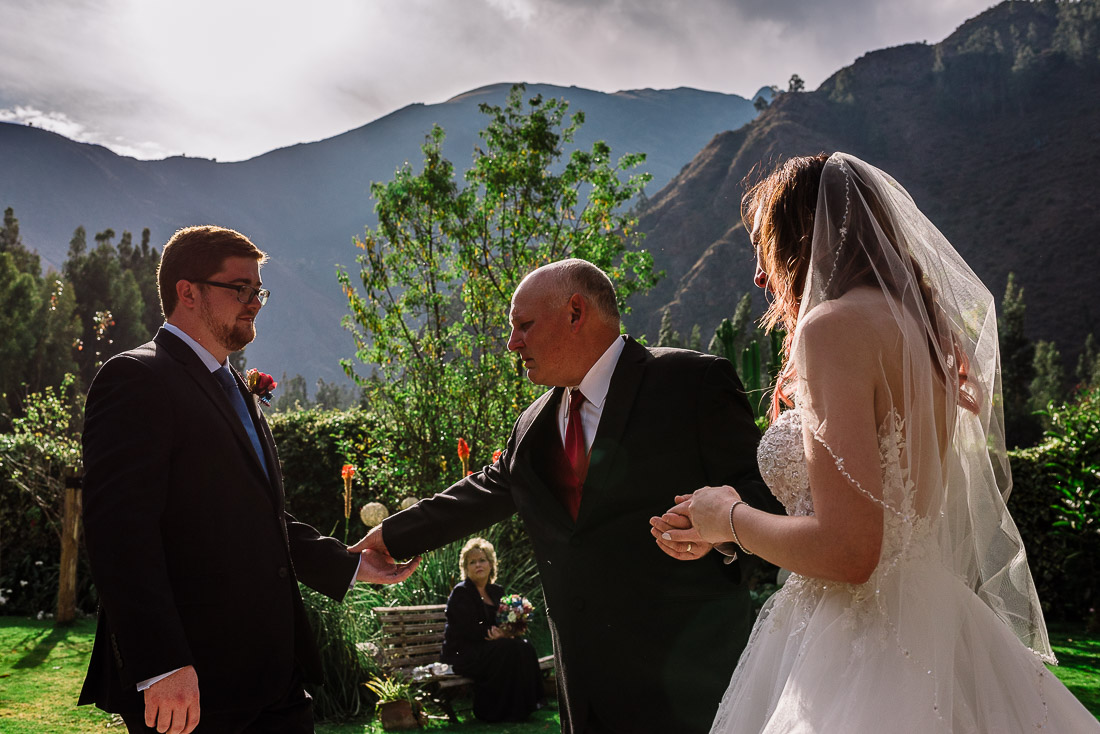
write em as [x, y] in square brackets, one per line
[786, 203]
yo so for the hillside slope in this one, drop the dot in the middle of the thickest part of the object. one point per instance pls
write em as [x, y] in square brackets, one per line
[995, 132]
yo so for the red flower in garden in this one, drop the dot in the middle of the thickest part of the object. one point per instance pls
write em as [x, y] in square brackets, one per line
[261, 385]
[347, 471]
[464, 456]
[496, 455]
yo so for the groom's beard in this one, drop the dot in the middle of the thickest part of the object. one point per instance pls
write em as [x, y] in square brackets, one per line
[235, 337]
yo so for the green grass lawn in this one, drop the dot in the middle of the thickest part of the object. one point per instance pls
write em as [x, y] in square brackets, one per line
[42, 668]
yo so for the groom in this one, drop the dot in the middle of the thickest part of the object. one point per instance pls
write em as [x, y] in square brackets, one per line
[196, 563]
[644, 643]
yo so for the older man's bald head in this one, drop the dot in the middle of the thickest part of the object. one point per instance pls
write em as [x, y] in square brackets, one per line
[559, 280]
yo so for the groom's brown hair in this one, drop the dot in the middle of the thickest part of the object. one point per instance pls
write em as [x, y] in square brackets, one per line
[197, 253]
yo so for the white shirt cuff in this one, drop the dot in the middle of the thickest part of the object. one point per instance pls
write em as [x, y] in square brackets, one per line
[355, 576]
[146, 683]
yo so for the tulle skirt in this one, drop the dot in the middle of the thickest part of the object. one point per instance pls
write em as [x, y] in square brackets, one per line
[917, 653]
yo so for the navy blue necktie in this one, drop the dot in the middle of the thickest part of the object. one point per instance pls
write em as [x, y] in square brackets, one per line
[229, 384]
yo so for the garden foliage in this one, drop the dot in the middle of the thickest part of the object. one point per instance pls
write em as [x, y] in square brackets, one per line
[1055, 502]
[36, 459]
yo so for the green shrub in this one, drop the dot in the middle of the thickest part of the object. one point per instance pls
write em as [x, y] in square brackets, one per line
[35, 459]
[314, 444]
[1054, 502]
[1074, 463]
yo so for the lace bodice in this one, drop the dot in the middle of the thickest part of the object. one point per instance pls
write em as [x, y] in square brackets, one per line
[783, 463]
[782, 460]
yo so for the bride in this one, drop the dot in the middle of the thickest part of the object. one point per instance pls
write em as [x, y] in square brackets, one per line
[910, 607]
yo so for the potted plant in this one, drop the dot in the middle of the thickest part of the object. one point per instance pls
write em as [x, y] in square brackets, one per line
[396, 698]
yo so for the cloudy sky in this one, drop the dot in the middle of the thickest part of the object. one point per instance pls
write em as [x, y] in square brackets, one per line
[230, 79]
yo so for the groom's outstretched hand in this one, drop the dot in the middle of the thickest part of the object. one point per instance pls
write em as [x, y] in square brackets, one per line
[376, 565]
[688, 545]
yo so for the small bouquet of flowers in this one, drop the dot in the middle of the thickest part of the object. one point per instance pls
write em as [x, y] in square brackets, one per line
[513, 614]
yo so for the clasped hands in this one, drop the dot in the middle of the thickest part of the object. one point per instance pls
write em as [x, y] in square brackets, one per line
[377, 565]
[695, 524]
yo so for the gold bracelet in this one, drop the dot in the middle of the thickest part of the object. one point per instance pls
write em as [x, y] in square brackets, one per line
[744, 550]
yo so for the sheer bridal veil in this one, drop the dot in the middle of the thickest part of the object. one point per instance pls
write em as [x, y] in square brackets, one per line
[941, 392]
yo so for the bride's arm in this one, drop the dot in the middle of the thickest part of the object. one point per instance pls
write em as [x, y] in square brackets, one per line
[841, 541]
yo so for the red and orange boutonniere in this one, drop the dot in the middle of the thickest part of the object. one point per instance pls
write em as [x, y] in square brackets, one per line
[261, 385]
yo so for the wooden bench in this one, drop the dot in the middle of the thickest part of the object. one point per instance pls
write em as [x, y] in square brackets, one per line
[412, 637]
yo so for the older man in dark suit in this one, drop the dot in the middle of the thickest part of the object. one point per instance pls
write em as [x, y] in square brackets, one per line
[644, 641]
[194, 558]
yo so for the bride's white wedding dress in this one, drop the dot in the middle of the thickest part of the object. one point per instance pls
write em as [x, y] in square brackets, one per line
[913, 649]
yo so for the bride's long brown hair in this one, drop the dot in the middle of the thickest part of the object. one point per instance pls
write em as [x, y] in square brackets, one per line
[786, 201]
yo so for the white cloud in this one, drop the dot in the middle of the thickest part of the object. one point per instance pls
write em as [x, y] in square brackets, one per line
[62, 124]
[235, 79]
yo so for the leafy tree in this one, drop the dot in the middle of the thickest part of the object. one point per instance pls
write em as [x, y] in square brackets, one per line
[36, 321]
[1017, 368]
[755, 355]
[1088, 364]
[103, 286]
[142, 260]
[333, 396]
[796, 84]
[730, 336]
[57, 329]
[695, 338]
[760, 104]
[291, 394]
[19, 294]
[438, 271]
[666, 336]
[11, 242]
[1047, 385]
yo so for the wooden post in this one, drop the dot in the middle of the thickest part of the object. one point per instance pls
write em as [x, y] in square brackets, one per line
[70, 550]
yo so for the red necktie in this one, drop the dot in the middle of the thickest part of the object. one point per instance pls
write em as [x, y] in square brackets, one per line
[575, 449]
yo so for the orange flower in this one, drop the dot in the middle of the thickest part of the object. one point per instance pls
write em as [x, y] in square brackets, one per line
[496, 455]
[346, 473]
[464, 456]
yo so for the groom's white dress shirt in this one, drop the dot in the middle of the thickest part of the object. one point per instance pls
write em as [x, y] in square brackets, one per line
[594, 387]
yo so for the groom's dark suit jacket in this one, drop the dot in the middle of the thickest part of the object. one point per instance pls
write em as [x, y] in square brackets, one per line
[194, 558]
[644, 643]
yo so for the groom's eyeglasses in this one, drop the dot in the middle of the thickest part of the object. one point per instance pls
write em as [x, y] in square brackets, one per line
[245, 293]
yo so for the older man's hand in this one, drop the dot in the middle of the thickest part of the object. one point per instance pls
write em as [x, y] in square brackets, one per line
[688, 547]
[376, 566]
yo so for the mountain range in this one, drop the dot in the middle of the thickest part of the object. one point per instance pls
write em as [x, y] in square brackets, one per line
[994, 131]
[304, 204]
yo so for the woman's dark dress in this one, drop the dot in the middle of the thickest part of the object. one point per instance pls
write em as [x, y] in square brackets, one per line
[507, 680]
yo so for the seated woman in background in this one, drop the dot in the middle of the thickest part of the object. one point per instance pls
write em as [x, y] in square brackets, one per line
[505, 669]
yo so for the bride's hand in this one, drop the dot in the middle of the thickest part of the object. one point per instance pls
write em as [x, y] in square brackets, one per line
[690, 546]
[708, 511]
